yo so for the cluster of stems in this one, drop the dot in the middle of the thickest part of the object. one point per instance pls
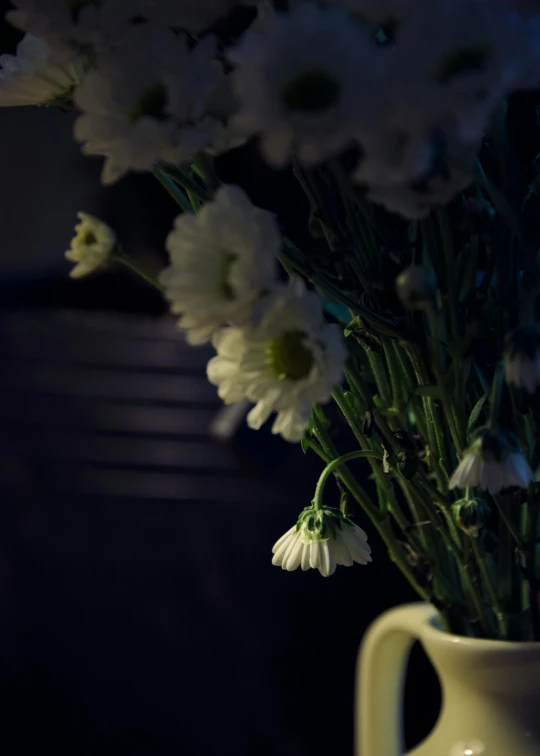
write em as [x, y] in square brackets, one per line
[413, 389]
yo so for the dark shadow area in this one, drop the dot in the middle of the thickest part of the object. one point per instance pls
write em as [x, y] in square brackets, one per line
[140, 612]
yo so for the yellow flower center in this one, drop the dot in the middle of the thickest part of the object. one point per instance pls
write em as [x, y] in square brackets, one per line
[88, 237]
[289, 358]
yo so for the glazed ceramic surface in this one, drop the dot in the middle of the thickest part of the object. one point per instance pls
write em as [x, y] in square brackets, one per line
[490, 690]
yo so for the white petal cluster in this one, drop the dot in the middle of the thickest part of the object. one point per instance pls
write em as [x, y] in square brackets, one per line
[286, 362]
[222, 261]
[145, 102]
[491, 463]
[321, 540]
[38, 76]
[91, 247]
[301, 82]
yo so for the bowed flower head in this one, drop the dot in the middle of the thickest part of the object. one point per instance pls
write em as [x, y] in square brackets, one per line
[222, 261]
[522, 358]
[91, 247]
[286, 362]
[321, 539]
[492, 462]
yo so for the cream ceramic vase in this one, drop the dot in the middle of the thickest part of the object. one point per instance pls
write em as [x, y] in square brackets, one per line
[490, 690]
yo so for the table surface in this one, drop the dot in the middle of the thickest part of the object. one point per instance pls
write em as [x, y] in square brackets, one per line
[148, 618]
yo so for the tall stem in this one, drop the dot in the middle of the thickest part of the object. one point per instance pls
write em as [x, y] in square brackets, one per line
[138, 269]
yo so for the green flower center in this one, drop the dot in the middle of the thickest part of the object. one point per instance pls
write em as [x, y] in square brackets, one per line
[88, 238]
[312, 91]
[289, 358]
[225, 288]
[463, 61]
[152, 103]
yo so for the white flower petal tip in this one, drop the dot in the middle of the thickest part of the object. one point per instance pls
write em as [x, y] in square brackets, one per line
[284, 362]
[323, 540]
[492, 463]
[522, 358]
[37, 75]
[222, 262]
[91, 247]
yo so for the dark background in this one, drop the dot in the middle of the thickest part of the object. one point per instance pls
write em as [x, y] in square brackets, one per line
[140, 612]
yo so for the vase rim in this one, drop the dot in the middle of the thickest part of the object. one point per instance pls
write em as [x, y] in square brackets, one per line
[434, 631]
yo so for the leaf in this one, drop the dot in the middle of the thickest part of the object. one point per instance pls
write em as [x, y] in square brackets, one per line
[304, 443]
[430, 389]
[477, 409]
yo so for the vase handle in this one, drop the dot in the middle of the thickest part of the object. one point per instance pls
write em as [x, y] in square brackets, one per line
[380, 678]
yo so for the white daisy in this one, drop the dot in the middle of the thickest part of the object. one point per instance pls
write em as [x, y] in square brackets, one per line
[144, 103]
[298, 81]
[223, 259]
[465, 56]
[91, 247]
[38, 76]
[492, 462]
[321, 539]
[69, 21]
[522, 358]
[285, 363]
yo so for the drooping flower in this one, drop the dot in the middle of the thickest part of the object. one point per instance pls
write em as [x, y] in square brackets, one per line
[522, 358]
[91, 247]
[321, 539]
[145, 102]
[471, 514]
[223, 259]
[286, 362]
[298, 81]
[416, 287]
[492, 462]
[38, 76]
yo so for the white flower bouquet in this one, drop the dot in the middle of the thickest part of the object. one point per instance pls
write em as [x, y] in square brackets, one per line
[410, 317]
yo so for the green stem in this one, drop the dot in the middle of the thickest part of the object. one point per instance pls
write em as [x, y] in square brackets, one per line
[439, 374]
[490, 588]
[495, 397]
[194, 199]
[329, 469]
[136, 268]
[380, 523]
[185, 180]
[168, 184]
[511, 529]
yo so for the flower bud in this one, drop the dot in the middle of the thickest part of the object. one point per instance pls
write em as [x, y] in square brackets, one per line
[471, 514]
[416, 287]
